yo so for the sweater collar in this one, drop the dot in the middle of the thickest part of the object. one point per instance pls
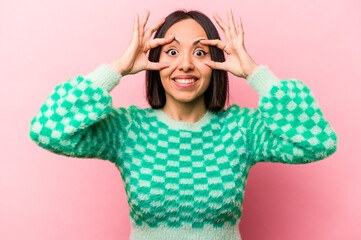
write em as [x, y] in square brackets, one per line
[171, 123]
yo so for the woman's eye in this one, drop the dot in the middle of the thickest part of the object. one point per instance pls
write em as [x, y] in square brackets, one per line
[200, 53]
[171, 51]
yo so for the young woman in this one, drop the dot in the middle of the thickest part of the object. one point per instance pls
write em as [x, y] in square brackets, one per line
[185, 160]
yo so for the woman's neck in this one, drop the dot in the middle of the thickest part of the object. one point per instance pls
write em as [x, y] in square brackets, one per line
[186, 112]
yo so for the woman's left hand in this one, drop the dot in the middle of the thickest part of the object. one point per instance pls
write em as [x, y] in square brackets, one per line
[238, 61]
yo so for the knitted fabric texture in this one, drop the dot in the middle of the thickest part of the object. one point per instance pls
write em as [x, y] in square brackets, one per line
[184, 180]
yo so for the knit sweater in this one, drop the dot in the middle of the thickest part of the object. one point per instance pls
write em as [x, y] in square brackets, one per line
[184, 180]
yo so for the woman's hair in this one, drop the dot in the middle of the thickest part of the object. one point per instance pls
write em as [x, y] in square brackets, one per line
[217, 93]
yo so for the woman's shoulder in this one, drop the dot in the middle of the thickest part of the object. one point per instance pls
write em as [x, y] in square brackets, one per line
[238, 111]
[241, 116]
[133, 111]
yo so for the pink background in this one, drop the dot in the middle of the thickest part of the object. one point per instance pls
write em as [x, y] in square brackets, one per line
[43, 43]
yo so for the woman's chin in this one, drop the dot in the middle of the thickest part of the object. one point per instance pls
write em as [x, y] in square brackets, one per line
[186, 98]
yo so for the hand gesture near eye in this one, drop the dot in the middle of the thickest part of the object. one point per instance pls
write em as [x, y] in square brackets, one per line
[135, 58]
[238, 62]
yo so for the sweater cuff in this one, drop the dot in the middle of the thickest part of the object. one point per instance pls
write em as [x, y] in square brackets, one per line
[262, 80]
[104, 76]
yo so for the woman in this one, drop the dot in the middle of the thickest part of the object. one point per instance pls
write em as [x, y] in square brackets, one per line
[185, 161]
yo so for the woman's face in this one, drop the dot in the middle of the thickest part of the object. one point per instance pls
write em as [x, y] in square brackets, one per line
[185, 56]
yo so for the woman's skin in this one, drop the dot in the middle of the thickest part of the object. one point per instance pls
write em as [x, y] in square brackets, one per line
[186, 60]
[179, 57]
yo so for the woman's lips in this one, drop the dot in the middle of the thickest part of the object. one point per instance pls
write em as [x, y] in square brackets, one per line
[185, 85]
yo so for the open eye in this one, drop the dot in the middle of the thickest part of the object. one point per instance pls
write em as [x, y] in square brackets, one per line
[200, 53]
[171, 51]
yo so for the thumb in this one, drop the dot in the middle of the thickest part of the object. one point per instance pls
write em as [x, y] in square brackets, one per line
[216, 65]
[157, 66]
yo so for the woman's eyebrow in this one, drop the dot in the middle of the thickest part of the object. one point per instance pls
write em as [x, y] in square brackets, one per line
[194, 43]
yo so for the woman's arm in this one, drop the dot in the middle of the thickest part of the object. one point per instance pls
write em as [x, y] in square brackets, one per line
[289, 126]
[77, 119]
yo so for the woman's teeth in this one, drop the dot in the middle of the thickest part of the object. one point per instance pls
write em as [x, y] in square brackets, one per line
[185, 80]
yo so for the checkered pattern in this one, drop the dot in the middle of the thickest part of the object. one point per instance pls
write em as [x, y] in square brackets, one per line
[178, 178]
[78, 120]
[184, 177]
[289, 126]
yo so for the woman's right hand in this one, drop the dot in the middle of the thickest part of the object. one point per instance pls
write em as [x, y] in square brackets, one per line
[135, 58]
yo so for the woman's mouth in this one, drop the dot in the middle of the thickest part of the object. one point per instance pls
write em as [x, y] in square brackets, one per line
[185, 82]
[179, 80]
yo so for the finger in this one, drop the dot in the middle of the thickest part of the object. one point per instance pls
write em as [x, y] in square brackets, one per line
[222, 25]
[231, 23]
[216, 42]
[157, 42]
[240, 31]
[144, 21]
[135, 29]
[220, 22]
[156, 65]
[216, 65]
[148, 33]
[240, 26]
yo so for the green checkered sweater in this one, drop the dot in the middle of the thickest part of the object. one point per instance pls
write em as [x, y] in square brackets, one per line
[184, 180]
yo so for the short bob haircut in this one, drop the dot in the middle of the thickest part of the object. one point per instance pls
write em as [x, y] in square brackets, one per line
[218, 91]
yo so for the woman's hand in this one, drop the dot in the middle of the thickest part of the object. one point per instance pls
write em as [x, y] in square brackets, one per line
[135, 58]
[238, 62]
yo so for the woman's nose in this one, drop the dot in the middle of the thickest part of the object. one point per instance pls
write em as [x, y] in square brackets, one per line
[186, 63]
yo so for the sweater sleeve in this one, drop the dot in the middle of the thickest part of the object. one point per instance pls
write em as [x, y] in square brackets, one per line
[289, 126]
[77, 119]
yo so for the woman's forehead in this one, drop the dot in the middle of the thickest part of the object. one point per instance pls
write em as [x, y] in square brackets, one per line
[187, 29]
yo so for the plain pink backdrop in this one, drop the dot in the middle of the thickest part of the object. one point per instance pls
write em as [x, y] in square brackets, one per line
[43, 43]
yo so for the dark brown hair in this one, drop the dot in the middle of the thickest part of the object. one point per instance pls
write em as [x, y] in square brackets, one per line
[218, 91]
